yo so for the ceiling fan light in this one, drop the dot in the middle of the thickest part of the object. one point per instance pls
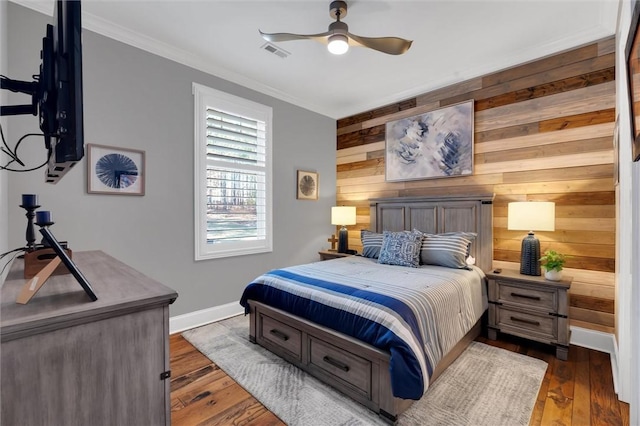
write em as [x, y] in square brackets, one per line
[338, 44]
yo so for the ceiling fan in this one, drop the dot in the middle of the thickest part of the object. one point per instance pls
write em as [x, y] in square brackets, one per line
[338, 36]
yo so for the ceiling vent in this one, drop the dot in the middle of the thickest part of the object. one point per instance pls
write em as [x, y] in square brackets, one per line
[271, 48]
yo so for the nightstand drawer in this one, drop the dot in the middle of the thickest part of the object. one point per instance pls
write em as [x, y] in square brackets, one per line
[543, 325]
[536, 298]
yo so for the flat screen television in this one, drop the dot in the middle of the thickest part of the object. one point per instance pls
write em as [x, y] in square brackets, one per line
[56, 94]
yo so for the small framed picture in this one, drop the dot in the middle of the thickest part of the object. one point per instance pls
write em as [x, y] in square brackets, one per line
[112, 170]
[307, 188]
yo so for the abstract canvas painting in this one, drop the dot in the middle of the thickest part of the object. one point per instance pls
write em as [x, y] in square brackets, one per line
[435, 144]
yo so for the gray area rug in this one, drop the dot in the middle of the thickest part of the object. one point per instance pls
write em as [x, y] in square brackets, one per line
[484, 386]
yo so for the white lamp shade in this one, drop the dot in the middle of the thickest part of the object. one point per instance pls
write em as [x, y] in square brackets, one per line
[338, 44]
[343, 215]
[532, 216]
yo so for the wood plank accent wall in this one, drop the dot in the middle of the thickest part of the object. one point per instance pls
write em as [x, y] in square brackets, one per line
[543, 131]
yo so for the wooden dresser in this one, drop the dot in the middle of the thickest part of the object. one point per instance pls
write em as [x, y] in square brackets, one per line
[530, 307]
[68, 361]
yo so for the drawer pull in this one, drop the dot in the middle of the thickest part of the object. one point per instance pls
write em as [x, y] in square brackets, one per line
[279, 334]
[525, 296]
[336, 363]
[526, 321]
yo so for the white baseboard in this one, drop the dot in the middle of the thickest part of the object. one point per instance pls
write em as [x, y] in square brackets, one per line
[599, 341]
[184, 322]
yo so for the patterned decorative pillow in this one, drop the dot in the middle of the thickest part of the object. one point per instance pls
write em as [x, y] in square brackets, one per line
[371, 243]
[401, 248]
[450, 250]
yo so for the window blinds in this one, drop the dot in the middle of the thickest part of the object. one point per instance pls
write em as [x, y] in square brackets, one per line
[236, 178]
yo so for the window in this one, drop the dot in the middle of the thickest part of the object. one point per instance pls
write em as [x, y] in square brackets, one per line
[232, 175]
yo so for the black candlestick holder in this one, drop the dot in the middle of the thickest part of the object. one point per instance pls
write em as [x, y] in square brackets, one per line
[43, 220]
[31, 233]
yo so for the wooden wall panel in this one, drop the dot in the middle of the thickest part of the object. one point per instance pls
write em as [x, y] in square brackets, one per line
[543, 132]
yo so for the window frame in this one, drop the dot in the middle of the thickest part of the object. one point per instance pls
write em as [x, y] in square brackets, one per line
[207, 97]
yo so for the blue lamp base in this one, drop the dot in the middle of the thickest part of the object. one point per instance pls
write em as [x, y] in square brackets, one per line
[530, 255]
[343, 240]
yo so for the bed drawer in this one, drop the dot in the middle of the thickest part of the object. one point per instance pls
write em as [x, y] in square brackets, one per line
[514, 321]
[341, 365]
[281, 335]
[537, 298]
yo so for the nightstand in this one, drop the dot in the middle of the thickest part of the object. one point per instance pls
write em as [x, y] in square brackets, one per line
[327, 254]
[530, 307]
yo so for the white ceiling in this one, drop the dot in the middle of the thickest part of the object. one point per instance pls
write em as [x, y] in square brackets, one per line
[454, 40]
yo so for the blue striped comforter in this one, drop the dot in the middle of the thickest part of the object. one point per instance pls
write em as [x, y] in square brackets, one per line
[415, 314]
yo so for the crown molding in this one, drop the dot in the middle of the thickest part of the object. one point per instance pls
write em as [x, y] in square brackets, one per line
[608, 15]
[132, 38]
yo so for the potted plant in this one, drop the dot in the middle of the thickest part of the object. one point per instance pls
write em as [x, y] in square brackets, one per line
[553, 262]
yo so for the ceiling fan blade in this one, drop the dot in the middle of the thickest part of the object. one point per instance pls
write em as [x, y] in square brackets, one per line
[278, 37]
[390, 45]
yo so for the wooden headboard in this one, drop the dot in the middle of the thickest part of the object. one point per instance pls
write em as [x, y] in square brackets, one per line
[437, 214]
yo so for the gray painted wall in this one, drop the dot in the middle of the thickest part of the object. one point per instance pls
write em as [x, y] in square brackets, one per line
[4, 212]
[136, 99]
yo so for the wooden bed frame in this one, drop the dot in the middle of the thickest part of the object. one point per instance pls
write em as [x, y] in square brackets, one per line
[355, 368]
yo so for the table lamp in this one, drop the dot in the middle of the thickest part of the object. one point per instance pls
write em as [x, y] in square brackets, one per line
[342, 216]
[531, 216]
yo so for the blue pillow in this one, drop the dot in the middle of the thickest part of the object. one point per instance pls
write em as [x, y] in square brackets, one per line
[371, 243]
[401, 248]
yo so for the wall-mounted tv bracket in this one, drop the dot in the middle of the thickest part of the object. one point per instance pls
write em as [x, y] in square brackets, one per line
[29, 87]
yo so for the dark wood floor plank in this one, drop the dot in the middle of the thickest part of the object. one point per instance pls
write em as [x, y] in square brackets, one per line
[500, 343]
[624, 413]
[541, 400]
[605, 409]
[193, 376]
[210, 384]
[178, 346]
[558, 407]
[245, 413]
[216, 379]
[186, 358]
[267, 419]
[582, 390]
[176, 404]
[576, 392]
[208, 404]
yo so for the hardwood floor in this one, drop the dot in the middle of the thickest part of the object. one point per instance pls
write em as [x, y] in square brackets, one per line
[576, 392]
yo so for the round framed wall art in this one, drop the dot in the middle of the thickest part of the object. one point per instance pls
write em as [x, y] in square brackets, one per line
[307, 185]
[112, 170]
